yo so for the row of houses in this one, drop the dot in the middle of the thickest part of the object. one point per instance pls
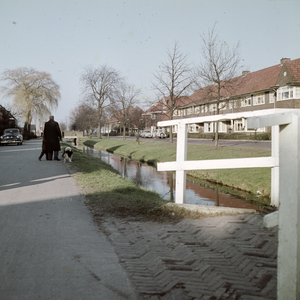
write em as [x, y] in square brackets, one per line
[270, 88]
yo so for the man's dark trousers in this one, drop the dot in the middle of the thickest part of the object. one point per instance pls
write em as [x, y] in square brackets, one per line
[50, 155]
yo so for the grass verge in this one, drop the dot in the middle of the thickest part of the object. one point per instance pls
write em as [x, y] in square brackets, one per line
[249, 180]
[108, 193]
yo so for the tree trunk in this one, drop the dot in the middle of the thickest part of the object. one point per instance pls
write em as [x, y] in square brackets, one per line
[25, 131]
[99, 121]
[108, 132]
[218, 111]
[217, 134]
[138, 137]
[124, 134]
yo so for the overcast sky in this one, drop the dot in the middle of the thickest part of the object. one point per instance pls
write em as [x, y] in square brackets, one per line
[61, 37]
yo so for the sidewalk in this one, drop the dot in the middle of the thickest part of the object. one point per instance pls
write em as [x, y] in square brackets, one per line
[50, 247]
[227, 257]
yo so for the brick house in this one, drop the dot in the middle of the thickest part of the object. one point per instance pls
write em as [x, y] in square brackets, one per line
[130, 116]
[160, 112]
[274, 87]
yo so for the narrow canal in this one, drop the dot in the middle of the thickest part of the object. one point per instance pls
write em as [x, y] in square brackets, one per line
[164, 182]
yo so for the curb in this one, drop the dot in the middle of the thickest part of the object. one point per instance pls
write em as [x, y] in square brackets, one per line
[214, 210]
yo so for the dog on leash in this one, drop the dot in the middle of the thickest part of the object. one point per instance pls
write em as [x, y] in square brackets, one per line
[67, 154]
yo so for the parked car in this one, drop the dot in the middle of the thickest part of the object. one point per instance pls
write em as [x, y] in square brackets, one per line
[140, 133]
[160, 134]
[11, 136]
[146, 134]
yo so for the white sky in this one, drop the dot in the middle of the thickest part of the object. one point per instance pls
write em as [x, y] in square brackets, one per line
[62, 36]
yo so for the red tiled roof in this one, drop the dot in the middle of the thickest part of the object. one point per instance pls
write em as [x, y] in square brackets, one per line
[259, 80]
[294, 68]
[252, 82]
[160, 107]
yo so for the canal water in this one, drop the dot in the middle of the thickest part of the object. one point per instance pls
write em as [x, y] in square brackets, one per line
[164, 182]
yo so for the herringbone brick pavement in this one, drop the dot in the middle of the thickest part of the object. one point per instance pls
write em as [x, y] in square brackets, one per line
[225, 257]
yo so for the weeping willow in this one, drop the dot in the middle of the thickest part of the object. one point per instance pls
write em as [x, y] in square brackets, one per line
[34, 93]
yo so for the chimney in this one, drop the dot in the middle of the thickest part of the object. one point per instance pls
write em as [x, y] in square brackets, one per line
[244, 73]
[284, 60]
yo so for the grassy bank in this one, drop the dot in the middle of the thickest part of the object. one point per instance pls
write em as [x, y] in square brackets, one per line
[249, 180]
[108, 193]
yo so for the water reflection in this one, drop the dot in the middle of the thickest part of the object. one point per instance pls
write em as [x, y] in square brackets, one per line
[164, 182]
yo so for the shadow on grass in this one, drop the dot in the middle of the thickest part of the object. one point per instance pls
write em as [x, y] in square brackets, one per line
[137, 204]
[90, 143]
[128, 201]
[113, 149]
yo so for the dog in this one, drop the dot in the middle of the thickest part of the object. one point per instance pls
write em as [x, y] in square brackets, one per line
[67, 154]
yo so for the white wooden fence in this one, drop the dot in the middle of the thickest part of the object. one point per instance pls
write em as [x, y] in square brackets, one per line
[285, 191]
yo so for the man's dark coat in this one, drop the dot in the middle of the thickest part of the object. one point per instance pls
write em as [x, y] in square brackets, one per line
[52, 135]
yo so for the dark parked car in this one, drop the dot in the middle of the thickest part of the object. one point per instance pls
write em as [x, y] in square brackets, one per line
[11, 136]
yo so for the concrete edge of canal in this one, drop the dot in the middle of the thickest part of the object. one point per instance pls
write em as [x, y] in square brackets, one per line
[215, 210]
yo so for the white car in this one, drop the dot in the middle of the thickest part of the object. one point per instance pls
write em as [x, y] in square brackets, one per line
[160, 134]
[147, 134]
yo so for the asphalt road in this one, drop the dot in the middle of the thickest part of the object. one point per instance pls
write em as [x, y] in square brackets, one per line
[234, 143]
[49, 246]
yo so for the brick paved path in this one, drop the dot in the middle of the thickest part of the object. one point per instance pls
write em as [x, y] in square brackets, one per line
[228, 257]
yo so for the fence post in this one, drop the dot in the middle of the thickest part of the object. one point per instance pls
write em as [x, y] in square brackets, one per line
[289, 211]
[181, 155]
[275, 170]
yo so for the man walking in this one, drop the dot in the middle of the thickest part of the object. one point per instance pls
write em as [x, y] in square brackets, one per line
[52, 135]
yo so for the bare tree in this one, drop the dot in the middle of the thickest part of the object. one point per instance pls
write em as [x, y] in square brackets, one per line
[136, 118]
[126, 97]
[63, 126]
[98, 88]
[34, 93]
[219, 69]
[84, 118]
[174, 79]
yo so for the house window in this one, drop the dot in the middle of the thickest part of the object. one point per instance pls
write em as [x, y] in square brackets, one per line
[233, 104]
[197, 110]
[208, 127]
[297, 92]
[206, 108]
[202, 109]
[271, 97]
[259, 99]
[213, 107]
[246, 102]
[238, 125]
[153, 116]
[285, 93]
[222, 106]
